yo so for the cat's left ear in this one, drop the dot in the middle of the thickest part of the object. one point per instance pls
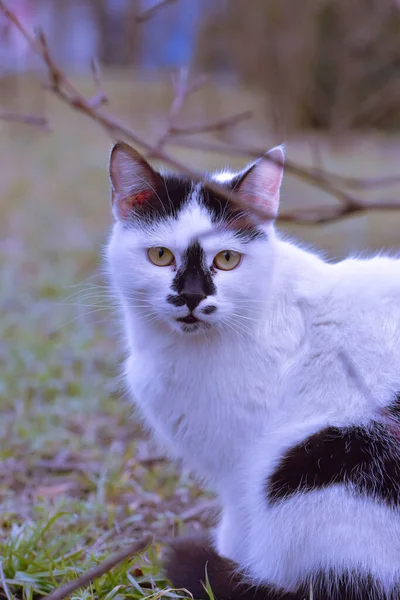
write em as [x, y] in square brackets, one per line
[260, 184]
[134, 183]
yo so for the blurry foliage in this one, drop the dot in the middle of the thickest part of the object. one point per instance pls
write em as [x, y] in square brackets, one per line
[323, 64]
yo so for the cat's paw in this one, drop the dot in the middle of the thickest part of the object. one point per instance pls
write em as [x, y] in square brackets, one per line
[187, 562]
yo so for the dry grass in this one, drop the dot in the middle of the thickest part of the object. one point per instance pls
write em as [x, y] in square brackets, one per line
[74, 480]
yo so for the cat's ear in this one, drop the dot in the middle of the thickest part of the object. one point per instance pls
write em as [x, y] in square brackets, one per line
[260, 184]
[133, 181]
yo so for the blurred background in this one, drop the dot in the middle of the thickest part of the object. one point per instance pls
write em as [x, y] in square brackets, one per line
[321, 75]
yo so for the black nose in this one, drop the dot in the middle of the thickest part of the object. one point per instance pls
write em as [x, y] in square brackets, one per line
[193, 300]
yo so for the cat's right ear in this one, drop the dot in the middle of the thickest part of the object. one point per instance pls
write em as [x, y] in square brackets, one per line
[133, 181]
[260, 184]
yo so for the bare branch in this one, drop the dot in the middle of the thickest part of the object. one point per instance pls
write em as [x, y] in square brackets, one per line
[331, 183]
[35, 120]
[150, 12]
[183, 89]
[86, 578]
[327, 182]
[218, 125]
[101, 97]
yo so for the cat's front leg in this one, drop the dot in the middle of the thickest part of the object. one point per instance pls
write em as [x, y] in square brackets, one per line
[228, 535]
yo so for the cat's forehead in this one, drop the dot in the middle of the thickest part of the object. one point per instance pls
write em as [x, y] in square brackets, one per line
[185, 211]
[193, 224]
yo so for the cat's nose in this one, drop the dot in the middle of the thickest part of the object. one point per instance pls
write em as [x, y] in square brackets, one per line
[193, 300]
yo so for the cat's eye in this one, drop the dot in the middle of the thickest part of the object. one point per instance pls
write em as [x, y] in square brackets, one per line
[160, 256]
[227, 260]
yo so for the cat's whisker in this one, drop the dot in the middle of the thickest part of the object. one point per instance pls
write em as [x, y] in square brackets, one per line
[79, 317]
[168, 196]
[88, 292]
[235, 326]
[83, 304]
[240, 316]
[84, 281]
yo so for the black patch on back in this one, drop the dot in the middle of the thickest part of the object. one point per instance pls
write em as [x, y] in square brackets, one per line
[194, 273]
[394, 408]
[366, 460]
[171, 194]
[188, 559]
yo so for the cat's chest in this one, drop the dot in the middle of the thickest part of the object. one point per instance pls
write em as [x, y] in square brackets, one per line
[206, 404]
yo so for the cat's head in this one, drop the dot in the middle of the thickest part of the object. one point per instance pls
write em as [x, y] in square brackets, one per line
[184, 258]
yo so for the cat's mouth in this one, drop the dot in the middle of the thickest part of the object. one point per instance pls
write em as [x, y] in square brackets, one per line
[189, 320]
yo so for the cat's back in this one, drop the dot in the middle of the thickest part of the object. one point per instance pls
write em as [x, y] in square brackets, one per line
[367, 304]
[374, 282]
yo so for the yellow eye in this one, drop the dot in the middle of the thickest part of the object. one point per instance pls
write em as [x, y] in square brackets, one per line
[162, 257]
[227, 260]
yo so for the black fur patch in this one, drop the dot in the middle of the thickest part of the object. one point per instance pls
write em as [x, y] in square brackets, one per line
[348, 585]
[186, 565]
[367, 460]
[194, 277]
[394, 408]
[188, 560]
[222, 211]
[175, 300]
[171, 194]
[209, 310]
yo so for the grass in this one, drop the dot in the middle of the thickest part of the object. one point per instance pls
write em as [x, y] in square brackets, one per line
[78, 476]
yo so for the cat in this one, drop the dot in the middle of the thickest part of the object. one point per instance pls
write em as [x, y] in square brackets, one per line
[273, 374]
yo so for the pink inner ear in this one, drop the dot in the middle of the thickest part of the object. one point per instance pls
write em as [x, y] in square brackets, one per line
[262, 183]
[141, 197]
[125, 205]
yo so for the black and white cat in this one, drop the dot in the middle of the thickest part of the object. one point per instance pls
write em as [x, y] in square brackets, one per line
[273, 375]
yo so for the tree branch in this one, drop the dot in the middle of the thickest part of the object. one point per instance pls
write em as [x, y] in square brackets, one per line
[35, 120]
[184, 88]
[86, 578]
[218, 125]
[153, 10]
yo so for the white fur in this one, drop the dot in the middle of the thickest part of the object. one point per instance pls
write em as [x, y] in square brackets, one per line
[296, 344]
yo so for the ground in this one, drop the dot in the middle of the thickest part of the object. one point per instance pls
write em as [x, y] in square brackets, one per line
[79, 478]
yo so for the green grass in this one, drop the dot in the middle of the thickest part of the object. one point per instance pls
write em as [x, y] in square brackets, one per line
[75, 484]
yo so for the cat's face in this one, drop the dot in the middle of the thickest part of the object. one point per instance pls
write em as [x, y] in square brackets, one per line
[184, 259]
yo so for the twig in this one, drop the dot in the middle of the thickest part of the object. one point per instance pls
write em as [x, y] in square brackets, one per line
[310, 175]
[101, 97]
[150, 12]
[4, 583]
[152, 461]
[218, 125]
[105, 566]
[183, 89]
[36, 120]
[320, 214]
[197, 510]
